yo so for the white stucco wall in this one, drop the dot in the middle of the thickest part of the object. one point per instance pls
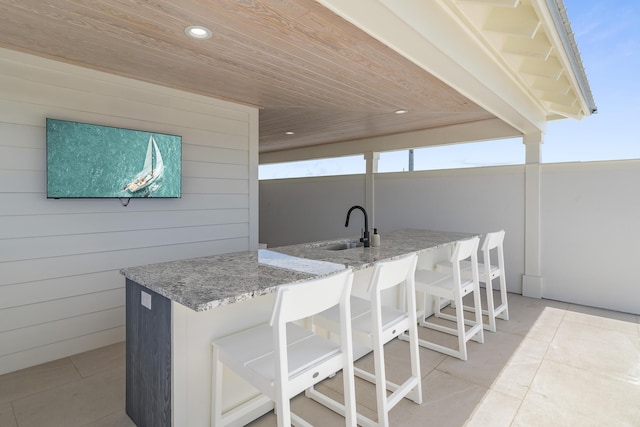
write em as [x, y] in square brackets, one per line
[310, 209]
[473, 200]
[588, 218]
[60, 288]
[591, 233]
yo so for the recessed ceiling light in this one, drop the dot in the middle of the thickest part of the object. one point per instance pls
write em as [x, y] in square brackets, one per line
[289, 133]
[401, 111]
[198, 32]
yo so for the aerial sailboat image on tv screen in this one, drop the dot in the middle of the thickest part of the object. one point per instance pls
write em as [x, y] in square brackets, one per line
[92, 161]
[151, 171]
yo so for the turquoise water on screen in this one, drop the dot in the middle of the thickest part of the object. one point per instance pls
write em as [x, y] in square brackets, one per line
[85, 160]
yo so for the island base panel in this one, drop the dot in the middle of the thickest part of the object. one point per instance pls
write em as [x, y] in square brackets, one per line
[148, 353]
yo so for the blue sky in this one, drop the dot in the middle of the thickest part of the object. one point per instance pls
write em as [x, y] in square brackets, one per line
[608, 36]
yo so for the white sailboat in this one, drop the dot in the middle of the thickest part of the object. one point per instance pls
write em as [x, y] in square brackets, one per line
[151, 171]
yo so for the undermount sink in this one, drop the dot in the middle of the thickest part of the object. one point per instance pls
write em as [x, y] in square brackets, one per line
[344, 245]
[339, 245]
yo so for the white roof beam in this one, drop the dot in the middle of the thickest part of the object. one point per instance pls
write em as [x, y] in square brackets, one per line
[561, 85]
[434, 37]
[465, 132]
[568, 100]
[538, 47]
[574, 112]
[560, 34]
[498, 3]
[521, 21]
[551, 68]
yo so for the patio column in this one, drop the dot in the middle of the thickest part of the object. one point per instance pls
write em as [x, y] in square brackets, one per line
[532, 278]
[372, 168]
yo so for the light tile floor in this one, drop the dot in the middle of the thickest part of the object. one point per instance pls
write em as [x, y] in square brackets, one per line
[551, 364]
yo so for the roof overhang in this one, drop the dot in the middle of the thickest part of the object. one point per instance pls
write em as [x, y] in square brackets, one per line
[518, 59]
[333, 71]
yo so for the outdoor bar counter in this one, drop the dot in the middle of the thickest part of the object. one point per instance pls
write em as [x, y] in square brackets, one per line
[175, 309]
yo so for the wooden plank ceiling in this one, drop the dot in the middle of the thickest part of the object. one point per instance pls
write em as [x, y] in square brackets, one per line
[309, 71]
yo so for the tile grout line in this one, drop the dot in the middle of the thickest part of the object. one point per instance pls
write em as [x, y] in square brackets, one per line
[102, 418]
[76, 367]
[564, 312]
[13, 412]
[33, 393]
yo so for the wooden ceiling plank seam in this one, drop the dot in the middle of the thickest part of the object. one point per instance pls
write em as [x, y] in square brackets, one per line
[333, 79]
[356, 83]
[363, 90]
[338, 137]
[377, 82]
[167, 48]
[472, 131]
[163, 58]
[393, 78]
[385, 121]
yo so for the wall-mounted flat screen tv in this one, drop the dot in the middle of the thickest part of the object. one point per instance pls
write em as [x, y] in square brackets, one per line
[93, 161]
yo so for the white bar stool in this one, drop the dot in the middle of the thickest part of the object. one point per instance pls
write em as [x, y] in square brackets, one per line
[453, 287]
[375, 324]
[487, 273]
[281, 359]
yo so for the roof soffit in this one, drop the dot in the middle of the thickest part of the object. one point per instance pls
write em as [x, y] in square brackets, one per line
[533, 39]
[512, 49]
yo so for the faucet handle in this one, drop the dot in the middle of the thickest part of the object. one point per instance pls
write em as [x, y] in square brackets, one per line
[364, 237]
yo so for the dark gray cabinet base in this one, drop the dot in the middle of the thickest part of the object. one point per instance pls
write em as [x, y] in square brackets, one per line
[148, 401]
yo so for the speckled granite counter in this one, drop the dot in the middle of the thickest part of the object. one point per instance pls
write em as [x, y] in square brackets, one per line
[393, 245]
[175, 309]
[208, 282]
[205, 283]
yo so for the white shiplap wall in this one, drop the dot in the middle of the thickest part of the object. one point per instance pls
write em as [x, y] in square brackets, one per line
[60, 288]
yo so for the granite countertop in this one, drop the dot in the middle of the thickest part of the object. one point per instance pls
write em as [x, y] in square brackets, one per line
[393, 245]
[208, 282]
